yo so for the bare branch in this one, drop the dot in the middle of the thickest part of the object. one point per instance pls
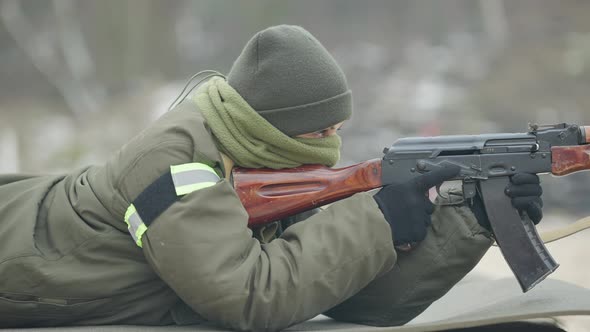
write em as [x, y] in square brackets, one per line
[40, 46]
[76, 55]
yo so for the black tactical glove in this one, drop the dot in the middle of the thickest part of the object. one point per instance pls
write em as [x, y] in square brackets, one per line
[406, 206]
[525, 192]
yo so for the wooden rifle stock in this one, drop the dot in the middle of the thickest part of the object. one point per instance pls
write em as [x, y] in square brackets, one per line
[270, 195]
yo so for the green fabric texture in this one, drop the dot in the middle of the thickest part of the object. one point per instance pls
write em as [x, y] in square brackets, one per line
[454, 244]
[291, 80]
[251, 141]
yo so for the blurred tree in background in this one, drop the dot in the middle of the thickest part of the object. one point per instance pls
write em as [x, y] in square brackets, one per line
[79, 78]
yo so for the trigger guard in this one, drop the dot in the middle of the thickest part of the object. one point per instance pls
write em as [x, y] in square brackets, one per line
[439, 193]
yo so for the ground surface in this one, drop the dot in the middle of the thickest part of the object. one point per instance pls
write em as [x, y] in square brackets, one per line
[571, 253]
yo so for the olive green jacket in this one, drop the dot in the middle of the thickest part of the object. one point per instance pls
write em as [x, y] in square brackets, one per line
[68, 259]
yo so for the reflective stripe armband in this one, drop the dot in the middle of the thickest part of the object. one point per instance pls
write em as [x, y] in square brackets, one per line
[163, 192]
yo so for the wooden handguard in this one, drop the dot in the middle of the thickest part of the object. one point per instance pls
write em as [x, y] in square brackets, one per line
[570, 159]
[270, 195]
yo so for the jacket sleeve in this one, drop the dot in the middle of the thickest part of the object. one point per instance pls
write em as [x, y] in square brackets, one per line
[453, 246]
[10, 178]
[202, 248]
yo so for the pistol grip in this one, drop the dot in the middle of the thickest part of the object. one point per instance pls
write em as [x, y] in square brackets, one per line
[517, 237]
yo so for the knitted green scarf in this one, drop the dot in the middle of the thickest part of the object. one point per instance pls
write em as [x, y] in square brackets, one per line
[251, 141]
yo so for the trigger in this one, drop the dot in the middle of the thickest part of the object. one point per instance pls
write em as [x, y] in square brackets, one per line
[469, 190]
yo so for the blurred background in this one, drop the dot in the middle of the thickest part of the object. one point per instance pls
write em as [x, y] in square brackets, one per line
[79, 78]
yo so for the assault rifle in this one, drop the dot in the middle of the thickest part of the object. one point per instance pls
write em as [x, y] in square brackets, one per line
[486, 162]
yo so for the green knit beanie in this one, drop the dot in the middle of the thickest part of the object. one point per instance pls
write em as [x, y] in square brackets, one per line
[291, 80]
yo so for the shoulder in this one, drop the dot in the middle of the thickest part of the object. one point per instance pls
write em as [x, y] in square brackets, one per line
[186, 126]
[178, 137]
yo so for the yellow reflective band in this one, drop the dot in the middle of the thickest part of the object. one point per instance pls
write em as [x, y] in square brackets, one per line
[130, 210]
[191, 167]
[139, 233]
[183, 190]
[191, 177]
[135, 225]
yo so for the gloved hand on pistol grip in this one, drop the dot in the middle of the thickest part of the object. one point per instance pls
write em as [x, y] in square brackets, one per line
[525, 192]
[406, 206]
